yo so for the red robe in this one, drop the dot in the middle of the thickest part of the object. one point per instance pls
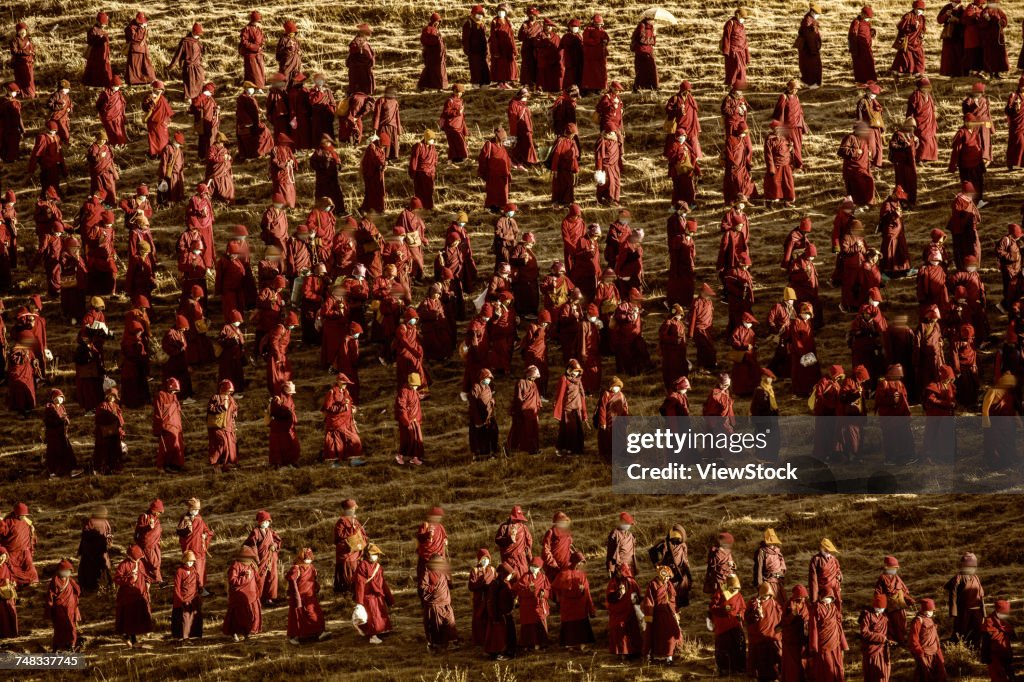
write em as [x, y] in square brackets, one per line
[97, 58]
[808, 47]
[251, 40]
[305, 616]
[737, 54]
[61, 609]
[132, 609]
[923, 644]
[435, 72]
[244, 616]
[190, 56]
[595, 59]
[494, 167]
[504, 51]
[826, 643]
[859, 39]
[139, 68]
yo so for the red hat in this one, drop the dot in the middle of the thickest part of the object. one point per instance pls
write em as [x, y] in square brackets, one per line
[291, 319]
[509, 207]
[197, 29]
[435, 511]
[899, 193]
[626, 517]
[477, 9]
[291, 27]
[135, 553]
[226, 386]
[874, 294]
[681, 384]
[537, 561]
[234, 248]
[597, 19]
[102, 18]
[544, 316]
[616, 85]
[874, 89]
[978, 87]
[946, 373]
[805, 224]
[765, 372]
[890, 562]
[879, 601]
[799, 592]
[748, 318]
[434, 17]
[140, 18]
[364, 28]
[937, 234]
[156, 505]
[483, 551]
[65, 565]
[51, 125]
[255, 16]
[1002, 606]
[487, 310]
[1014, 230]
[725, 538]
[706, 290]
[411, 314]
[918, 4]
[179, 137]
[867, 11]
[593, 311]
[836, 371]
[20, 509]
[234, 316]
[180, 322]
[970, 260]
[172, 384]
[685, 86]
[894, 372]
[262, 515]
[517, 514]
[349, 504]
[927, 604]
[342, 378]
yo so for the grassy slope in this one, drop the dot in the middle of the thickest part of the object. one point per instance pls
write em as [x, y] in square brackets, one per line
[926, 533]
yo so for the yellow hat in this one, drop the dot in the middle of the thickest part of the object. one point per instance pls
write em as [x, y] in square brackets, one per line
[462, 217]
[428, 135]
[827, 545]
[788, 294]
[742, 12]
[373, 549]
[414, 379]
[189, 555]
[771, 538]
[617, 382]
[765, 590]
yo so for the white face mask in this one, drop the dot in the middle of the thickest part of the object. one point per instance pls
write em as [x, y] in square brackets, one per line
[918, 12]
[928, 614]
[741, 20]
[805, 316]
[872, 95]
[575, 29]
[593, 319]
[307, 561]
[826, 600]
[624, 527]
[60, 400]
[413, 321]
[190, 564]
[747, 325]
[681, 139]
[116, 88]
[615, 389]
[207, 93]
[879, 611]
[485, 562]
[355, 336]
[460, 225]
[510, 214]
[534, 570]
[867, 18]
[816, 16]
[478, 17]
[193, 512]
[825, 554]
[373, 558]
[740, 207]
[508, 578]
[501, 14]
[890, 571]
[65, 574]
[196, 252]
[1002, 616]
[972, 268]
[249, 91]
[969, 570]
[265, 524]
[65, 90]
[486, 382]
[875, 303]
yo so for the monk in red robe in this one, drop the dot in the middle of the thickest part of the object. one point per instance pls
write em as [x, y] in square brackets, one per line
[474, 46]
[453, 123]
[189, 56]
[434, 591]
[61, 106]
[494, 167]
[341, 437]
[953, 39]
[860, 38]
[778, 158]
[423, 169]
[1000, 635]
[372, 167]
[254, 138]
[565, 164]
[967, 157]
[251, 41]
[158, 119]
[12, 128]
[435, 70]
[49, 157]
[244, 617]
[306, 619]
[595, 56]
[187, 609]
[857, 175]
[826, 640]
[572, 590]
[139, 68]
[923, 643]
[219, 177]
[221, 413]
[910, 57]
[133, 615]
[289, 51]
[808, 47]
[725, 621]
[61, 608]
[360, 62]
[23, 56]
[641, 44]
[97, 56]
[734, 47]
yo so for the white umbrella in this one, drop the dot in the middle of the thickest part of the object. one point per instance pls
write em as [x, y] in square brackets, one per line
[659, 14]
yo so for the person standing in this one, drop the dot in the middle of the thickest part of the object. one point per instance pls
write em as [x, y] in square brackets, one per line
[133, 614]
[244, 616]
[61, 608]
[924, 646]
[875, 640]
[966, 598]
[305, 615]
[267, 544]
[187, 609]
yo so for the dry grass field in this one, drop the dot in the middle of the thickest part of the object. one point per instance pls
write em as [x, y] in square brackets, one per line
[927, 533]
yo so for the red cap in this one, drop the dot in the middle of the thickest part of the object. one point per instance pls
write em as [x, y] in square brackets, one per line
[890, 562]
[291, 27]
[626, 517]
[725, 538]
[799, 592]
[517, 514]
[879, 601]
[197, 29]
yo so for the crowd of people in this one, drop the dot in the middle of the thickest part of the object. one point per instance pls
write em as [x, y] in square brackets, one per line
[780, 631]
[338, 282]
